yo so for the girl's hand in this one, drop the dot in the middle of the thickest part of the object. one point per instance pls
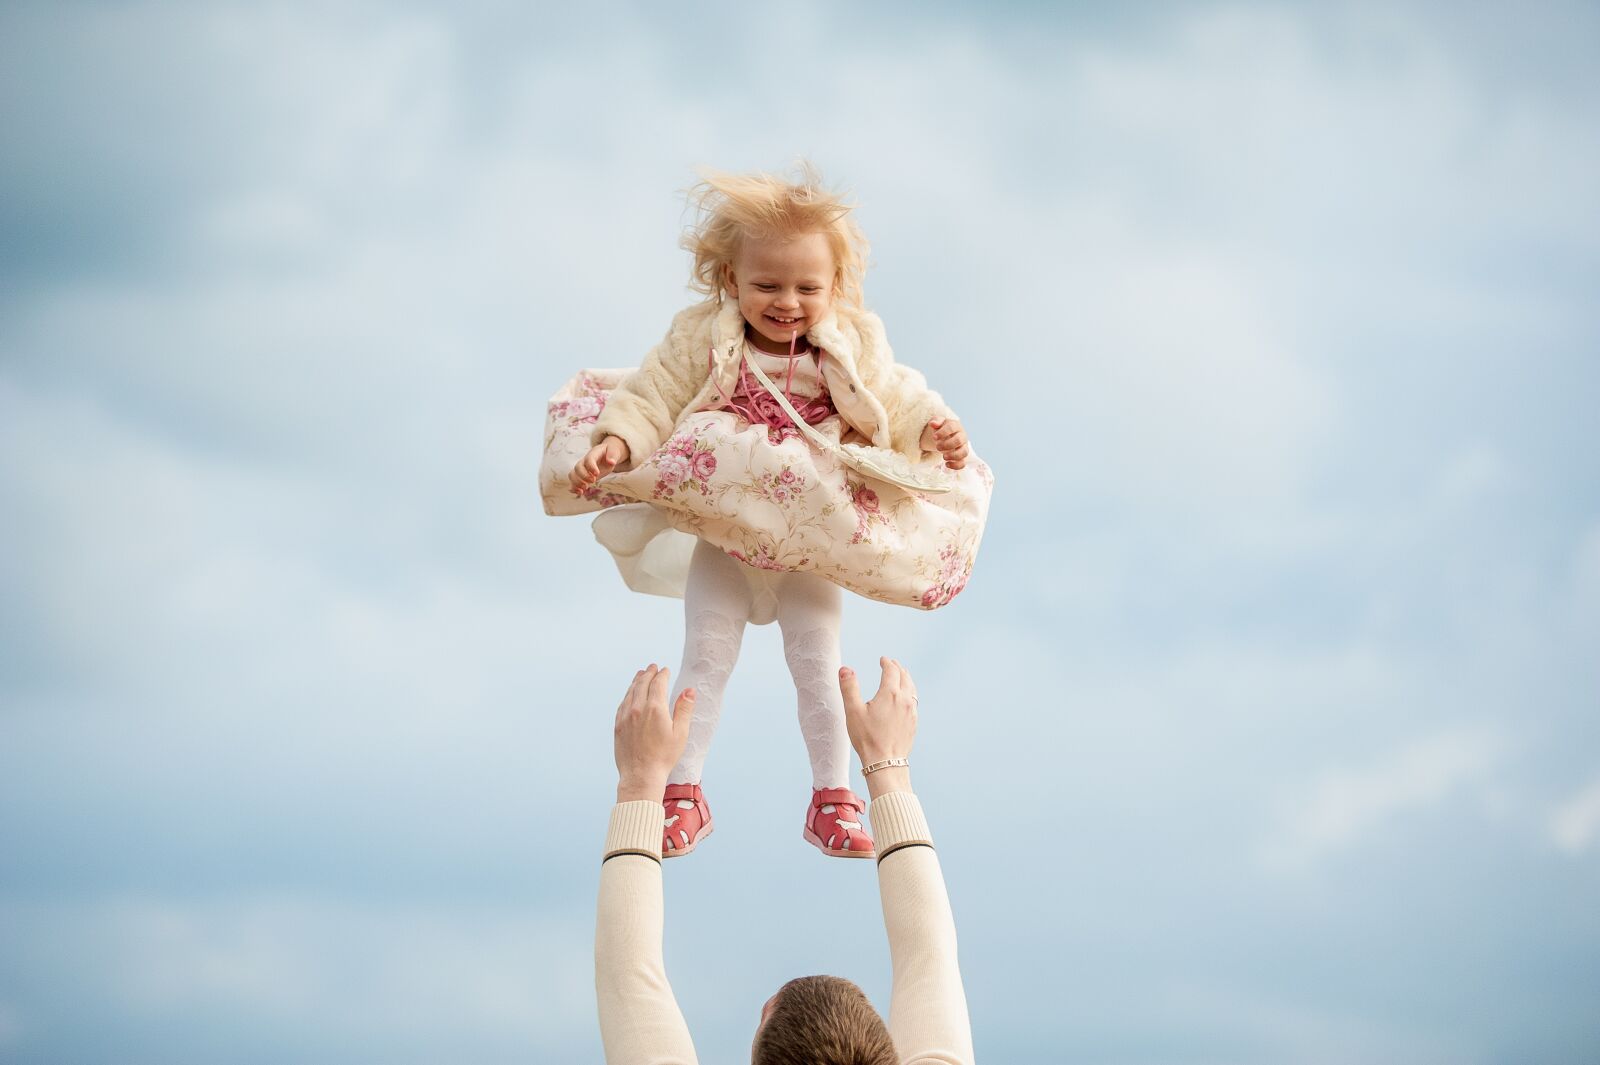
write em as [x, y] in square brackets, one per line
[601, 460]
[946, 436]
[649, 738]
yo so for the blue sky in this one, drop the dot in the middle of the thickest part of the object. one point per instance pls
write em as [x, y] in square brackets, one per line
[1265, 732]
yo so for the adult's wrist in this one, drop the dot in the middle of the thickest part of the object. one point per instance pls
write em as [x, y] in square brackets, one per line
[640, 788]
[887, 779]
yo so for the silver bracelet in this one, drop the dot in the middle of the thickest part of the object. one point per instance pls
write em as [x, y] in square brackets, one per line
[885, 764]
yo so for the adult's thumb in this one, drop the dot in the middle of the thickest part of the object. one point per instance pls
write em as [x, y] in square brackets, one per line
[683, 709]
[849, 687]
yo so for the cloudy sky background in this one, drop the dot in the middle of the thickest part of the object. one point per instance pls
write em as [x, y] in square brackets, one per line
[1265, 732]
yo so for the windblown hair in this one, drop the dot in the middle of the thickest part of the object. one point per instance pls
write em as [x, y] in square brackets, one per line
[731, 207]
[823, 1020]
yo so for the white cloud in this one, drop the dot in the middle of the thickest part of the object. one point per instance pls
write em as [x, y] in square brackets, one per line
[1575, 825]
[1348, 805]
[356, 970]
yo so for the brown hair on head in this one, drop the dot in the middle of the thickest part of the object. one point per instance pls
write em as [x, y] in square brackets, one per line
[823, 1020]
[731, 207]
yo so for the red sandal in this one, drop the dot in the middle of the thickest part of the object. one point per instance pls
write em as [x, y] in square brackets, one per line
[687, 819]
[834, 824]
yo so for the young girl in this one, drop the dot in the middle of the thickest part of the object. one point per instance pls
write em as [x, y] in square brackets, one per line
[768, 452]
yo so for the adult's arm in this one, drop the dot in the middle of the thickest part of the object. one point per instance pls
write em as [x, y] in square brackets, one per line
[928, 1005]
[640, 1023]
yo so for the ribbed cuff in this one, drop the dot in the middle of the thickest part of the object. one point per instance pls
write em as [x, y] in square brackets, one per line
[635, 829]
[897, 822]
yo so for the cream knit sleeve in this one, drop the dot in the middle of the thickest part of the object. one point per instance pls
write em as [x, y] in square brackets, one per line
[904, 392]
[640, 1023]
[928, 1006]
[645, 407]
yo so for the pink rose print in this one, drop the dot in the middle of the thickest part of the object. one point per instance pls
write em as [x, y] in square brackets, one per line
[672, 468]
[865, 500]
[953, 574]
[782, 488]
[777, 434]
[594, 495]
[684, 461]
[582, 409]
[764, 559]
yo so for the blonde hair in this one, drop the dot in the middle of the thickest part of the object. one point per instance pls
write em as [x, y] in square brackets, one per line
[731, 207]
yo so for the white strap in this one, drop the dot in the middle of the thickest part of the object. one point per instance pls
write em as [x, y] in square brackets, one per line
[875, 462]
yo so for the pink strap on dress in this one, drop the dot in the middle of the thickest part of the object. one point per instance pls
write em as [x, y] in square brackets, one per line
[812, 410]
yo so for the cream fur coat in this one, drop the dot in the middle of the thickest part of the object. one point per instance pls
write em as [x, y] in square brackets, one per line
[888, 404]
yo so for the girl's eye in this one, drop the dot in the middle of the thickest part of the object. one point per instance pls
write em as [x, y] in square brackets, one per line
[766, 288]
[810, 290]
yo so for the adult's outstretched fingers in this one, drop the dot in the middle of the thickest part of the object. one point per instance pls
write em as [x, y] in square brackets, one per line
[659, 679]
[636, 690]
[891, 675]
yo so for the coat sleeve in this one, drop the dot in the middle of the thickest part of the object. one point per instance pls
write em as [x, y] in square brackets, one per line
[907, 400]
[646, 406]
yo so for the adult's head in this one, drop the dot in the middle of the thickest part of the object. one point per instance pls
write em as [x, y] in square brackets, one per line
[821, 1020]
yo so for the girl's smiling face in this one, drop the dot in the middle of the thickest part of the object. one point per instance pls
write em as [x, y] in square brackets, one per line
[784, 286]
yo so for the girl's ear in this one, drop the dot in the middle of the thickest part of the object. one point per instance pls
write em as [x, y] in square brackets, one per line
[730, 284]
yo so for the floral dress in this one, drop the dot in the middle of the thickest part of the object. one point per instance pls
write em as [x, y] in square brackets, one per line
[743, 478]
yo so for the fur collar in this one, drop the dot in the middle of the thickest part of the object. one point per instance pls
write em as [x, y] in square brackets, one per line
[727, 330]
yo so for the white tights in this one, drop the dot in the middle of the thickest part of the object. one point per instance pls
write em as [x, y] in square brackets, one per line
[722, 596]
